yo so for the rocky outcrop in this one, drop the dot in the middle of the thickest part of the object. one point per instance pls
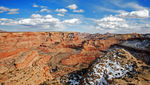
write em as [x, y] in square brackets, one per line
[33, 76]
[12, 53]
[76, 59]
[28, 61]
[117, 66]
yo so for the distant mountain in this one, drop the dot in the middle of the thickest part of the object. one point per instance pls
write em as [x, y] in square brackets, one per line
[2, 31]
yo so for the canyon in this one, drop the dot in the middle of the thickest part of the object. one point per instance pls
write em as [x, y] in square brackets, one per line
[73, 58]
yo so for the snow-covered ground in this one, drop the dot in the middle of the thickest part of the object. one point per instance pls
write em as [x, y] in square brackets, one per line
[106, 70]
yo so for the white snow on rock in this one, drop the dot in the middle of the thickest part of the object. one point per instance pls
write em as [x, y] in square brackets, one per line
[106, 69]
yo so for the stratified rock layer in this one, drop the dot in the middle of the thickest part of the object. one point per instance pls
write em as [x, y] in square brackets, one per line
[45, 57]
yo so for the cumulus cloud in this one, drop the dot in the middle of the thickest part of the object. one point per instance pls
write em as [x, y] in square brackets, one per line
[111, 23]
[72, 21]
[45, 10]
[116, 24]
[5, 21]
[13, 11]
[47, 16]
[74, 8]
[36, 16]
[61, 10]
[42, 8]
[60, 14]
[3, 9]
[8, 10]
[39, 21]
[124, 21]
[136, 14]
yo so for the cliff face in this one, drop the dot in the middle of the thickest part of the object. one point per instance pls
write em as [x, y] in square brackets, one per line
[37, 57]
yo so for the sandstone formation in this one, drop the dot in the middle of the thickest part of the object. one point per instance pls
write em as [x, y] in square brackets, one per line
[53, 57]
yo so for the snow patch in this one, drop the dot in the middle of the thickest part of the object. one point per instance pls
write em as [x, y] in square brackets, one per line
[107, 70]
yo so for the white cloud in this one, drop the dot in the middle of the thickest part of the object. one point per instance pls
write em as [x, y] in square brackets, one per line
[116, 24]
[3, 9]
[34, 5]
[79, 11]
[5, 21]
[138, 11]
[41, 21]
[42, 8]
[8, 10]
[13, 11]
[111, 23]
[133, 5]
[72, 21]
[45, 10]
[38, 21]
[111, 19]
[136, 14]
[61, 10]
[35, 16]
[72, 7]
[60, 14]
[48, 16]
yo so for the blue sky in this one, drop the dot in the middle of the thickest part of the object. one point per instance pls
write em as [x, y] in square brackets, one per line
[93, 16]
